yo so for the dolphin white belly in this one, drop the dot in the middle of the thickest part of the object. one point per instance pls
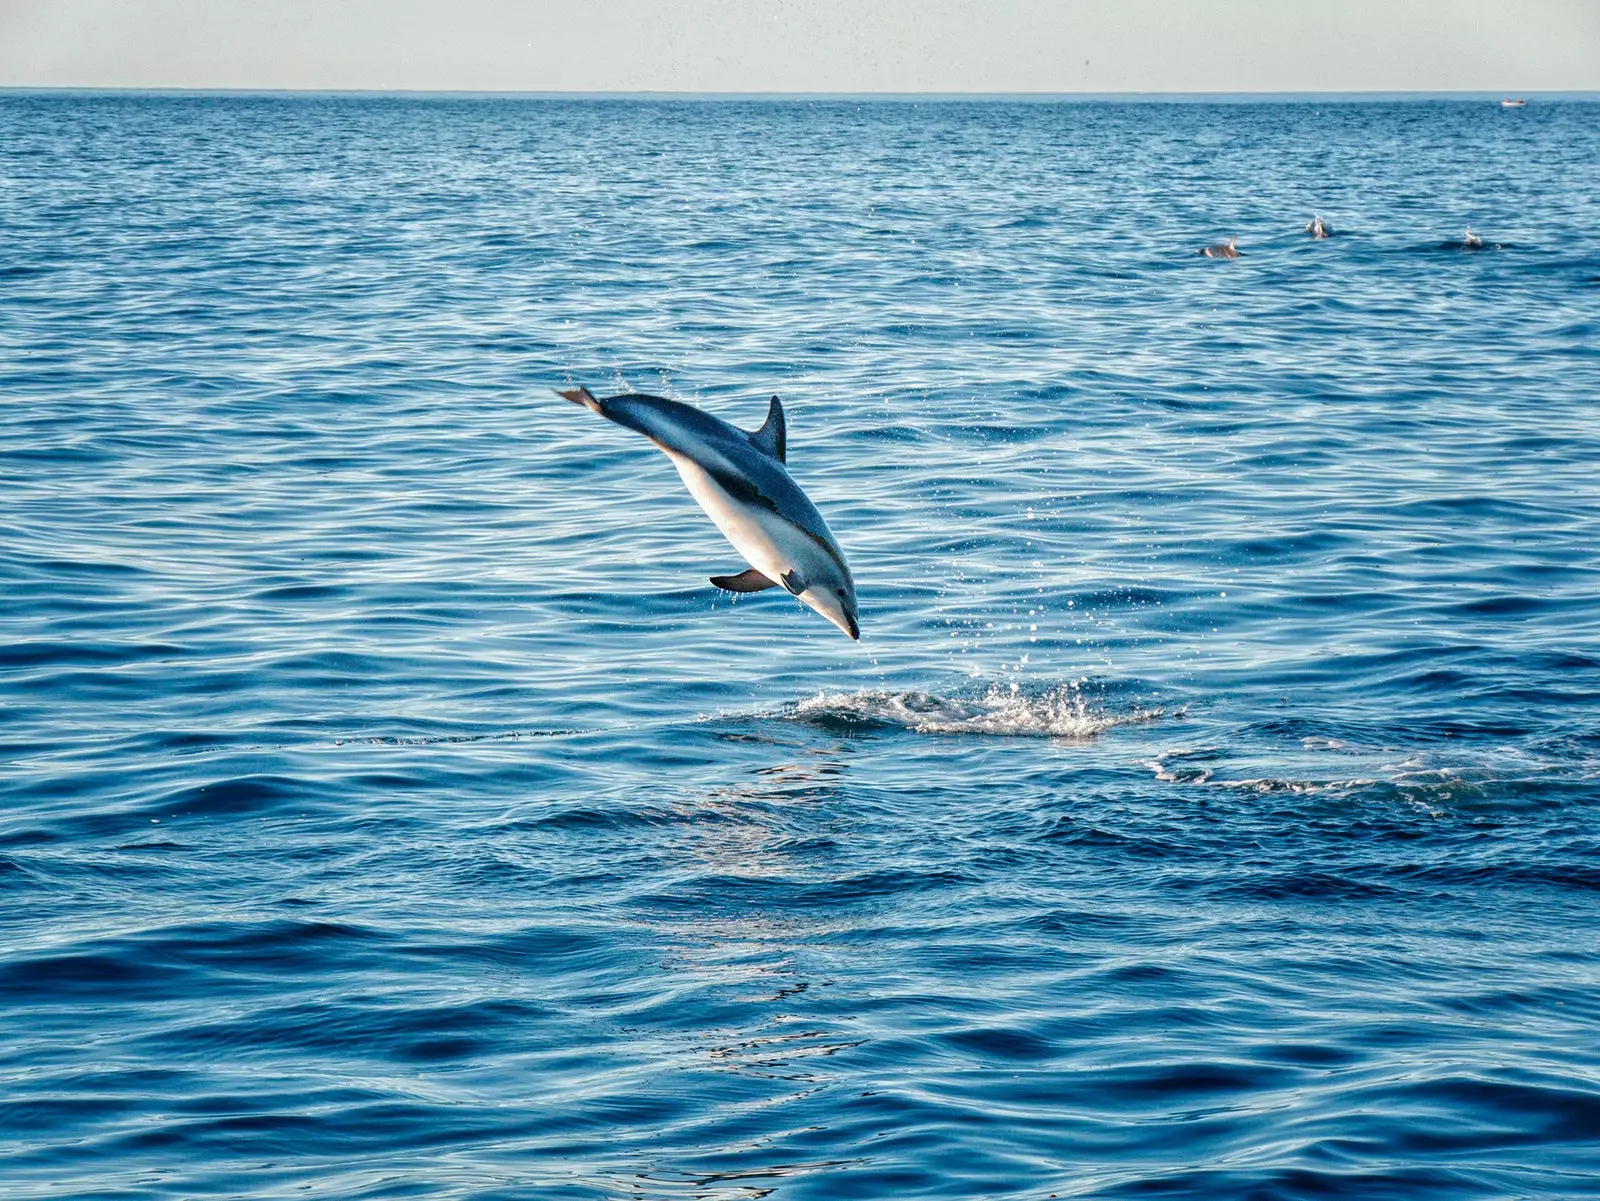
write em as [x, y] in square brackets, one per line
[757, 534]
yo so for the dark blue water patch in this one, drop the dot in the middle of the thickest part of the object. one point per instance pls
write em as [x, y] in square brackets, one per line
[421, 1034]
[107, 975]
[47, 654]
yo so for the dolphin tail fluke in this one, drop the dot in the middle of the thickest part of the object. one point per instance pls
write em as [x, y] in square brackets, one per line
[745, 581]
[582, 396]
[771, 438]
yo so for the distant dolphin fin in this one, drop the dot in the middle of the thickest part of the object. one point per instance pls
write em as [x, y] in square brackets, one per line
[745, 581]
[581, 396]
[770, 437]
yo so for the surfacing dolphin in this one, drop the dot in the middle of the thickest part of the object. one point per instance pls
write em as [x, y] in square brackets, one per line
[739, 479]
[1318, 228]
[1222, 250]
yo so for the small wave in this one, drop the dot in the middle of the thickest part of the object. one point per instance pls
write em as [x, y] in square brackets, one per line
[1060, 712]
[1462, 244]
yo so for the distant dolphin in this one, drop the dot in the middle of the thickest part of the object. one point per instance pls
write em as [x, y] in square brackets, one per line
[1223, 250]
[1471, 241]
[1319, 228]
[739, 479]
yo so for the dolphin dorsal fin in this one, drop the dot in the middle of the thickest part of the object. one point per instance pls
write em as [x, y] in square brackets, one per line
[770, 437]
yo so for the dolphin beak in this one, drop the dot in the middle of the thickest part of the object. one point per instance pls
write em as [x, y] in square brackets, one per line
[846, 622]
[835, 608]
[849, 621]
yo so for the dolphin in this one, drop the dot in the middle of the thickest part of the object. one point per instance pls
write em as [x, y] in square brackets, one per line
[740, 480]
[1471, 241]
[1223, 250]
[1318, 228]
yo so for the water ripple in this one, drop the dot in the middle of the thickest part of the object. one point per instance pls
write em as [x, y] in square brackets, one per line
[390, 807]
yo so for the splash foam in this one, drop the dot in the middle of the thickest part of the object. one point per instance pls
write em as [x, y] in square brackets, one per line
[1061, 712]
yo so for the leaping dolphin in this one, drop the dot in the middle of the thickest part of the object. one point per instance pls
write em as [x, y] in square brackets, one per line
[739, 479]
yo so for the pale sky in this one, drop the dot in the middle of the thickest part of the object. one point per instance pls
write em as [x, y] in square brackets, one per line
[1504, 46]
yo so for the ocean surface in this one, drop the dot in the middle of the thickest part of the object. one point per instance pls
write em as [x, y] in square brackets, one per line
[389, 807]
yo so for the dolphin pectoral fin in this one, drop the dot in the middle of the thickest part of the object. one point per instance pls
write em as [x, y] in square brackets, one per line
[792, 581]
[745, 581]
[770, 438]
[581, 396]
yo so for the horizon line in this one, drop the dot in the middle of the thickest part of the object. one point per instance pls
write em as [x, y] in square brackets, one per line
[573, 94]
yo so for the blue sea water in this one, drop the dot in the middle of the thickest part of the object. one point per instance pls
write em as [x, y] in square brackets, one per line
[390, 808]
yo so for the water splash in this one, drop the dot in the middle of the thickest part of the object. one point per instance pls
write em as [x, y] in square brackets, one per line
[1059, 712]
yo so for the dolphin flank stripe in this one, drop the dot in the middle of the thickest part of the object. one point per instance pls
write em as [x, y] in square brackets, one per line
[742, 488]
